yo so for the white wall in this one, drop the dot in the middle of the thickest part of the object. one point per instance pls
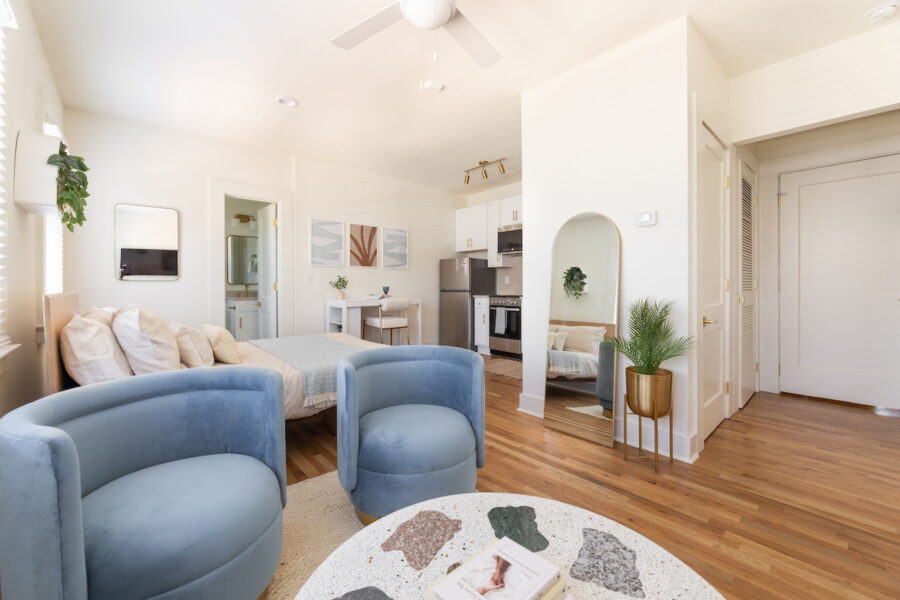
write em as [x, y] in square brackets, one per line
[134, 164]
[592, 244]
[851, 78]
[329, 191]
[498, 193]
[611, 136]
[30, 92]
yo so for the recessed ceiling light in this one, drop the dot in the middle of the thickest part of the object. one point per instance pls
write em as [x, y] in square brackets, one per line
[882, 11]
[288, 101]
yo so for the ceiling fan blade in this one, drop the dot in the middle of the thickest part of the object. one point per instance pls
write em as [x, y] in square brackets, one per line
[369, 27]
[471, 40]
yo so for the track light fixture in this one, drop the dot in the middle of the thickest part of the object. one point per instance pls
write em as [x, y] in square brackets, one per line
[482, 166]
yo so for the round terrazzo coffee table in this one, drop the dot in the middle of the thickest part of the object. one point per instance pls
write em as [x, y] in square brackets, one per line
[401, 555]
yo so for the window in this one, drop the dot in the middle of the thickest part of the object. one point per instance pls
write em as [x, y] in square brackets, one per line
[53, 254]
[6, 19]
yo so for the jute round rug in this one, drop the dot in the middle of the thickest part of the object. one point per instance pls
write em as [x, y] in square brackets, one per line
[318, 519]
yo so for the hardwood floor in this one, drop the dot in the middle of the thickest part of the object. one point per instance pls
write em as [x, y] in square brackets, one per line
[792, 498]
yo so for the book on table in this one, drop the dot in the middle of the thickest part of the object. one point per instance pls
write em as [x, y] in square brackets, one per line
[503, 570]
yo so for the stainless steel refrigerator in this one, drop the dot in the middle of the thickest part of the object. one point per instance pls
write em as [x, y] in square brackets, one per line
[461, 279]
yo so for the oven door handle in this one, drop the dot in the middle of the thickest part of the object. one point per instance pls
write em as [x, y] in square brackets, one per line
[507, 308]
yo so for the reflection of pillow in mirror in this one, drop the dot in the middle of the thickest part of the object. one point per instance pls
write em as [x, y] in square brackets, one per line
[553, 327]
[193, 346]
[556, 340]
[581, 337]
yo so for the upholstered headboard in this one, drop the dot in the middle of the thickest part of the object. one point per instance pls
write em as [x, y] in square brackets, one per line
[58, 311]
[610, 328]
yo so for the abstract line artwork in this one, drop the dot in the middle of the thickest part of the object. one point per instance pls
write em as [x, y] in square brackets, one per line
[394, 248]
[363, 246]
[326, 243]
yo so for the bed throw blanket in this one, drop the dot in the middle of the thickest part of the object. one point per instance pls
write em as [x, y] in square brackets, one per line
[562, 362]
[316, 357]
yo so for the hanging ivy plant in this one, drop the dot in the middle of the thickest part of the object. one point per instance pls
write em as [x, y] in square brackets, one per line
[574, 280]
[71, 186]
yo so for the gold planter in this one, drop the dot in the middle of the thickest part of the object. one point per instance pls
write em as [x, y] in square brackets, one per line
[649, 395]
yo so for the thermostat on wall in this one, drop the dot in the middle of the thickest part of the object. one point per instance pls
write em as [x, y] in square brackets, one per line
[645, 219]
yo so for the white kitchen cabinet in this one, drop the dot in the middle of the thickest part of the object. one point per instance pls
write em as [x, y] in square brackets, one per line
[471, 228]
[243, 318]
[511, 211]
[482, 324]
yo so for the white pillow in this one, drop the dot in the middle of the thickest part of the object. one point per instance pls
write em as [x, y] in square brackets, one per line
[90, 352]
[556, 340]
[146, 339]
[103, 314]
[223, 345]
[581, 337]
[193, 346]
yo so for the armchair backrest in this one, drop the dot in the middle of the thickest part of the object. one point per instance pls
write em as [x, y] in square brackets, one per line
[60, 448]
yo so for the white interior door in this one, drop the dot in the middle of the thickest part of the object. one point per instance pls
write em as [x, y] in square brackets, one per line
[840, 282]
[712, 342]
[746, 384]
[268, 271]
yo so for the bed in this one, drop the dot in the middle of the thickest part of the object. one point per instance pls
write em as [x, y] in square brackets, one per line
[307, 363]
[576, 363]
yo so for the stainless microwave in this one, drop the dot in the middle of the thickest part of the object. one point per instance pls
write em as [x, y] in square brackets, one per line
[509, 239]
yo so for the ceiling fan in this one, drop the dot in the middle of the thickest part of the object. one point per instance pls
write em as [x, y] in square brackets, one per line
[425, 15]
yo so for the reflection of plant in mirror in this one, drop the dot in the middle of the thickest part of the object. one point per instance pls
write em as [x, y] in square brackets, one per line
[71, 186]
[340, 283]
[574, 280]
[652, 337]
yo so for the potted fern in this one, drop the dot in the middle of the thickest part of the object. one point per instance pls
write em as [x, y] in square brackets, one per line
[651, 341]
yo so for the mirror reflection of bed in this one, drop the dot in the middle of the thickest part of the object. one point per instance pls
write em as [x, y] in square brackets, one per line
[584, 306]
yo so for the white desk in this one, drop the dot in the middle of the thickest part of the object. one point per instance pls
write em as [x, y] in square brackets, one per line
[348, 314]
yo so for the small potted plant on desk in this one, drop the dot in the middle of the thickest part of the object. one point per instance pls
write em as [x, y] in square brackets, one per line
[648, 388]
[340, 284]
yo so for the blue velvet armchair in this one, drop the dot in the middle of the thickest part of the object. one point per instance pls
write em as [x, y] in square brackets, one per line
[410, 425]
[169, 486]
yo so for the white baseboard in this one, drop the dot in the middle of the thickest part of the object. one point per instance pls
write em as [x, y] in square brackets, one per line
[531, 405]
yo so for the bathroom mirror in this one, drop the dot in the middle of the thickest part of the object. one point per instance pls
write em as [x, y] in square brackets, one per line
[242, 260]
[146, 242]
[584, 308]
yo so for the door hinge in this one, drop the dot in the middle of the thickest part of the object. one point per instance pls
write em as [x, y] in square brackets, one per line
[779, 369]
[725, 284]
[779, 285]
[741, 300]
[727, 181]
[779, 198]
[756, 367]
[275, 286]
[275, 222]
[726, 387]
[755, 200]
[755, 283]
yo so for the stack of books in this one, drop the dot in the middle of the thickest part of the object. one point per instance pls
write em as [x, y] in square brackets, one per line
[504, 570]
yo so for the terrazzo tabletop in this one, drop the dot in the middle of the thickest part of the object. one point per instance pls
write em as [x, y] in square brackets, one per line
[400, 556]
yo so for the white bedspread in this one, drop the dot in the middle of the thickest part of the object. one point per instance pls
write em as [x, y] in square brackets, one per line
[252, 356]
[571, 364]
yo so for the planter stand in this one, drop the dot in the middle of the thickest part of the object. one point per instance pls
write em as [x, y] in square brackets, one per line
[641, 454]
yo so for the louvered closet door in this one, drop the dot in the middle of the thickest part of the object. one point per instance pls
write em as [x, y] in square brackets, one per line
[840, 282]
[747, 284]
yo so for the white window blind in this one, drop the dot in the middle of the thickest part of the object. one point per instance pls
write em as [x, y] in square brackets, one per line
[53, 254]
[4, 339]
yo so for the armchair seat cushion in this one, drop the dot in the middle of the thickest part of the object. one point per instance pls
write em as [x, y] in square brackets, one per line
[414, 438]
[165, 526]
[389, 322]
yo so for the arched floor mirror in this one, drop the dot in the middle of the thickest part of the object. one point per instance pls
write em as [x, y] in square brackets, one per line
[584, 308]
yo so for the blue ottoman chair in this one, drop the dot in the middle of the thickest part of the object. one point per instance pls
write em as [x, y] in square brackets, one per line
[165, 486]
[410, 426]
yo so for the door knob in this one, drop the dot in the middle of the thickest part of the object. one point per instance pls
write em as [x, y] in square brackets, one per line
[259, 303]
[708, 321]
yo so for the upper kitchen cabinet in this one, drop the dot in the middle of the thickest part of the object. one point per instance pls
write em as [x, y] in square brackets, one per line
[511, 211]
[471, 228]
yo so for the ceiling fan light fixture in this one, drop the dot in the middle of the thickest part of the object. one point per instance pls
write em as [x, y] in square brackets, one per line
[882, 12]
[427, 14]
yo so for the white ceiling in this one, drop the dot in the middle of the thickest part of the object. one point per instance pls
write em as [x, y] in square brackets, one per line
[214, 68]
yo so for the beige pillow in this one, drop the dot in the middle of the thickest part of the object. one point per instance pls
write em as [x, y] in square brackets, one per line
[193, 346]
[146, 339]
[581, 337]
[90, 352]
[103, 314]
[556, 340]
[223, 345]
